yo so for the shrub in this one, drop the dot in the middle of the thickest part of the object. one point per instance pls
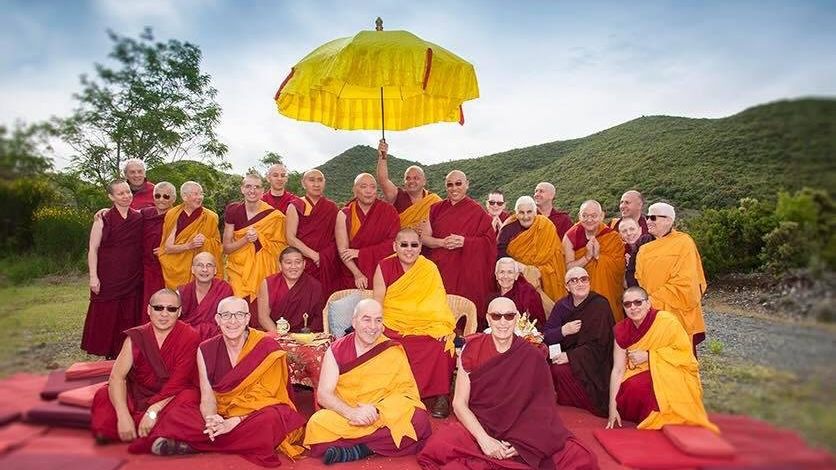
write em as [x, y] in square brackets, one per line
[18, 201]
[18, 269]
[62, 232]
[806, 235]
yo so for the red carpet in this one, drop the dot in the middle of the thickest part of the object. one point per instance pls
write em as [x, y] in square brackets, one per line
[24, 446]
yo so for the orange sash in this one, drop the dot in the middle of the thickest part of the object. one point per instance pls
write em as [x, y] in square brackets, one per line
[539, 246]
[246, 267]
[177, 267]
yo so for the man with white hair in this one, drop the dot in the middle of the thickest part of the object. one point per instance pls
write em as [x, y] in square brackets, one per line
[188, 229]
[278, 196]
[530, 239]
[544, 197]
[413, 200]
[631, 206]
[142, 189]
[670, 269]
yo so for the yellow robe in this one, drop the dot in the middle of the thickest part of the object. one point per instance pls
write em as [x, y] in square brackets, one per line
[675, 373]
[177, 267]
[245, 267]
[416, 304]
[539, 246]
[418, 212]
[670, 270]
[606, 274]
[384, 381]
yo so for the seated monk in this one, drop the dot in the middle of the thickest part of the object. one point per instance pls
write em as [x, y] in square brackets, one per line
[155, 366]
[417, 315]
[202, 295]
[599, 250]
[655, 377]
[516, 288]
[291, 293]
[244, 406]
[369, 398]
[581, 323]
[412, 201]
[505, 405]
[531, 240]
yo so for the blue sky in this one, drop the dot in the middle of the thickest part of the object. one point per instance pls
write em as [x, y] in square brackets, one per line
[547, 70]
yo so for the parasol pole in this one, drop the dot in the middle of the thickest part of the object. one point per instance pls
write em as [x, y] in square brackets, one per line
[378, 26]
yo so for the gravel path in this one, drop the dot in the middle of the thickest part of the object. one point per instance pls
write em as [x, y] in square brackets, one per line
[801, 349]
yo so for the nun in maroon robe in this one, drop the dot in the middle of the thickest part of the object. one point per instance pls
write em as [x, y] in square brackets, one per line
[373, 238]
[152, 272]
[200, 313]
[510, 284]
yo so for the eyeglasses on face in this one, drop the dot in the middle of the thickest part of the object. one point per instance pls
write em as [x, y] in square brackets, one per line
[450, 184]
[160, 308]
[408, 245]
[507, 316]
[575, 280]
[653, 217]
[252, 186]
[496, 203]
[633, 303]
[229, 315]
[164, 196]
[202, 265]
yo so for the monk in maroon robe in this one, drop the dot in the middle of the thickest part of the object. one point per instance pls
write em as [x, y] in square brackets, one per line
[202, 295]
[515, 287]
[278, 196]
[581, 323]
[505, 406]
[155, 366]
[290, 294]
[141, 188]
[495, 207]
[365, 230]
[462, 242]
[165, 194]
[115, 263]
[544, 197]
[631, 206]
[310, 228]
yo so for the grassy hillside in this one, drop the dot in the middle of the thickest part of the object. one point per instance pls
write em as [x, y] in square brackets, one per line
[693, 163]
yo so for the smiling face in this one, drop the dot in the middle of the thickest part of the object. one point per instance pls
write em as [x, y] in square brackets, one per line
[502, 327]
[662, 224]
[233, 327]
[526, 214]
[192, 196]
[414, 180]
[591, 216]
[636, 313]
[135, 174]
[252, 189]
[365, 189]
[293, 265]
[506, 273]
[120, 195]
[204, 267]
[577, 283]
[407, 247]
[160, 202]
[367, 322]
[163, 320]
[314, 183]
[544, 194]
[457, 185]
[277, 177]
[631, 205]
[495, 204]
[629, 231]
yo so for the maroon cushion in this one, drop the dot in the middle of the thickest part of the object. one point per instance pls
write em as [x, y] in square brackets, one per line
[86, 370]
[56, 414]
[8, 415]
[698, 441]
[57, 383]
[64, 461]
[82, 397]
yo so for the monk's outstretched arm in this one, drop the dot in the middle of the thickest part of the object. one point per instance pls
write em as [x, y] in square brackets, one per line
[93, 255]
[461, 406]
[291, 226]
[390, 191]
[619, 363]
[264, 308]
[117, 390]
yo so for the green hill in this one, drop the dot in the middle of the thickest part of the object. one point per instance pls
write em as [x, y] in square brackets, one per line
[693, 163]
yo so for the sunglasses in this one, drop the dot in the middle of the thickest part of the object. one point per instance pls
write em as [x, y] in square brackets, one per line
[496, 203]
[407, 245]
[507, 316]
[575, 280]
[654, 217]
[170, 308]
[633, 303]
[454, 183]
[229, 315]
[164, 196]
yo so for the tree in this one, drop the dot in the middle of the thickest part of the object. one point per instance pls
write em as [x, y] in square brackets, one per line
[155, 105]
[22, 151]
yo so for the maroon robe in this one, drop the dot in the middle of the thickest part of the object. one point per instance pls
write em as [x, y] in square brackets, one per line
[373, 240]
[630, 255]
[156, 374]
[257, 437]
[316, 230]
[201, 314]
[116, 307]
[561, 220]
[635, 399]
[304, 297]
[279, 202]
[512, 397]
[380, 441]
[431, 365]
[585, 381]
[402, 200]
[144, 196]
[236, 214]
[525, 297]
[152, 272]
[466, 271]
[506, 234]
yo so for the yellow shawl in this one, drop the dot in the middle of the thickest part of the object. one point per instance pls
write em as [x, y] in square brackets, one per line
[418, 212]
[177, 267]
[245, 267]
[606, 274]
[539, 246]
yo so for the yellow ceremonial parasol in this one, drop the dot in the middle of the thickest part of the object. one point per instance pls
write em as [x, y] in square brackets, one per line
[378, 80]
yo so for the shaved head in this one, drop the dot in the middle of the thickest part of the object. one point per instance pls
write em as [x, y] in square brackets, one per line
[371, 306]
[502, 305]
[414, 169]
[364, 176]
[233, 304]
[313, 172]
[456, 174]
[590, 205]
[203, 257]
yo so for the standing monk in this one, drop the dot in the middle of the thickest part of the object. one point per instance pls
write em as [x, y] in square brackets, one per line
[114, 260]
[416, 314]
[631, 207]
[670, 270]
[597, 248]
[165, 195]
[495, 205]
[530, 239]
[156, 363]
[290, 293]
[365, 230]
[544, 197]
[253, 238]
[278, 196]
[201, 296]
[310, 229]
[412, 201]
[463, 242]
[141, 188]
[189, 228]
[369, 400]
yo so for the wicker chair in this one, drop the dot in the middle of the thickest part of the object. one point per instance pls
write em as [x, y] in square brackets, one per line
[532, 275]
[341, 294]
[463, 307]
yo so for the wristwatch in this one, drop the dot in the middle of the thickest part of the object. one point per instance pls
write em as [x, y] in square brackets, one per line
[151, 414]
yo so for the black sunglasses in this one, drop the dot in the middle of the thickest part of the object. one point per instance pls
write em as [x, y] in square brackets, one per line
[507, 316]
[633, 303]
[456, 183]
[164, 196]
[160, 308]
[654, 217]
[496, 203]
[407, 245]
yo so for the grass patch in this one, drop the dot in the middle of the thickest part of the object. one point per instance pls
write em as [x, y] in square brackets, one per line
[22, 268]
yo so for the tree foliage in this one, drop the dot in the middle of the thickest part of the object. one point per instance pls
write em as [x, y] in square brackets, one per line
[23, 151]
[154, 104]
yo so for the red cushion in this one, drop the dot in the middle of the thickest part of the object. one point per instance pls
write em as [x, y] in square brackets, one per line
[7, 415]
[698, 441]
[53, 460]
[85, 370]
[57, 383]
[56, 414]
[82, 397]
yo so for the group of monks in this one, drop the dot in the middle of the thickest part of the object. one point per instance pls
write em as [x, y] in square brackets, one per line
[203, 367]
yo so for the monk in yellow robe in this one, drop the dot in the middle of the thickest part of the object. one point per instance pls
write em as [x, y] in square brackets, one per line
[670, 269]
[599, 249]
[253, 238]
[655, 378]
[369, 398]
[412, 201]
[530, 239]
[188, 229]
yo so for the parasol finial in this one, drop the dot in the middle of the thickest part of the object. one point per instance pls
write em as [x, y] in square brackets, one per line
[378, 24]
